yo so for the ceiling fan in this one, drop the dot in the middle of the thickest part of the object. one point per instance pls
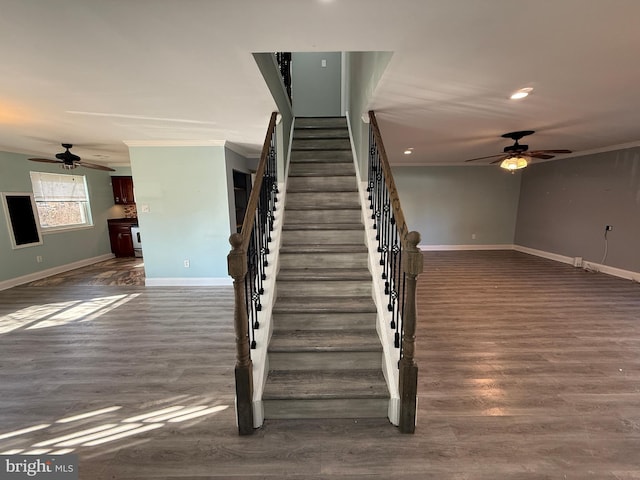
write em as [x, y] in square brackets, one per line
[518, 156]
[70, 161]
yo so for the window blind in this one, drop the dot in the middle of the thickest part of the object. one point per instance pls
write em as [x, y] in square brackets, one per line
[56, 187]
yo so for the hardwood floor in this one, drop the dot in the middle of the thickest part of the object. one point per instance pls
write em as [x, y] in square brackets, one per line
[529, 369]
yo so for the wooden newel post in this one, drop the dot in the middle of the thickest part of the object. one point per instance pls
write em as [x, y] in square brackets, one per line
[413, 264]
[237, 267]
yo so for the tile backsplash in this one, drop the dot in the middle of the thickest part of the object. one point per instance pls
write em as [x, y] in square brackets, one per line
[130, 211]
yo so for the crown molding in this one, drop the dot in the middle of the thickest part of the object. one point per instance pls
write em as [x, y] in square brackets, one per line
[175, 143]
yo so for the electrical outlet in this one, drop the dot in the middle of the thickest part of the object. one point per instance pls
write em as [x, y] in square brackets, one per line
[39, 258]
[473, 236]
[187, 264]
[608, 228]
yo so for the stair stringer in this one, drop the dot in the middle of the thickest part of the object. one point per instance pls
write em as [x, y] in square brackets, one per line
[390, 354]
[259, 358]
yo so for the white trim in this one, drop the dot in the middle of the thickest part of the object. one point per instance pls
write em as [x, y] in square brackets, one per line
[543, 254]
[259, 356]
[188, 282]
[175, 143]
[390, 354]
[36, 218]
[32, 277]
[438, 248]
[241, 150]
[586, 265]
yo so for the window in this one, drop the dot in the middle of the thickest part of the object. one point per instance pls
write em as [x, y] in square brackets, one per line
[62, 200]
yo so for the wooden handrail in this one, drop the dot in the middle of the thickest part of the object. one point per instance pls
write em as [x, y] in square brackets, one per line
[412, 266]
[252, 204]
[238, 268]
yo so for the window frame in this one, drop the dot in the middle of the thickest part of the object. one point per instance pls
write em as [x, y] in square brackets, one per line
[84, 204]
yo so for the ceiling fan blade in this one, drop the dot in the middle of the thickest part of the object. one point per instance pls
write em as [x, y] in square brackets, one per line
[44, 160]
[483, 158]
[95, 166]
[562, 150]
[543, 156]
[499, 160]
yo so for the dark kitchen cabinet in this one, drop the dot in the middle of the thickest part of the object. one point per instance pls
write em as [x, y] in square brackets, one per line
[122, 190]
[121, 239]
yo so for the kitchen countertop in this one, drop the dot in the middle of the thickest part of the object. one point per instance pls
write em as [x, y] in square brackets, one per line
[123, 221]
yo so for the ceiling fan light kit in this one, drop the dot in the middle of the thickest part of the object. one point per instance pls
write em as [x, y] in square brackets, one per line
[514, 163]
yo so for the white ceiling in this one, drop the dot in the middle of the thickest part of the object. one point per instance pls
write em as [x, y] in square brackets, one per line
[100, 73]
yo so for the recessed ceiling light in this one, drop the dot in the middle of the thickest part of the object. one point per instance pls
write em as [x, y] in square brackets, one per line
[408, 151]
[523, 92]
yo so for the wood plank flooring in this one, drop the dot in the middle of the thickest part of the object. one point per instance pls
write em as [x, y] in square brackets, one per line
[529, 369]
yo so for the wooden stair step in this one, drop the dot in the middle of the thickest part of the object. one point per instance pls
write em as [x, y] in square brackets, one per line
[337, 248]
[321, 132]
[309, 169]
[324, 321]
[337, 260]
[320, 122]
[322, 184]
[304, 305]
[311, 200]
[328, 216]
[323, 227]
[326, 408]
[321, 144]
[323, 237]
[321, 287]
[327, 274]
[325, 360]
[331, 384]
[325, 341]
[321, 156]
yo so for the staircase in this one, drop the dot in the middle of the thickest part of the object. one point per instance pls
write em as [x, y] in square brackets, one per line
[324, 356]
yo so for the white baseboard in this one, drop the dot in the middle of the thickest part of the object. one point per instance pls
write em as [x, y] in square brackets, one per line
[541, 253]
[32, 277]
[188, 282]
[586, 264]
[438, 248]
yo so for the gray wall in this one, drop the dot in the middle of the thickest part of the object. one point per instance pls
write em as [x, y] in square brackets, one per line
[364, 71]
[565, 205]
[316, 89]
[447, 205]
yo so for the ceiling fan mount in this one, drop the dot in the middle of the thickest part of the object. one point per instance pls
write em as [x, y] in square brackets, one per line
[517, 148]
[70, 160]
